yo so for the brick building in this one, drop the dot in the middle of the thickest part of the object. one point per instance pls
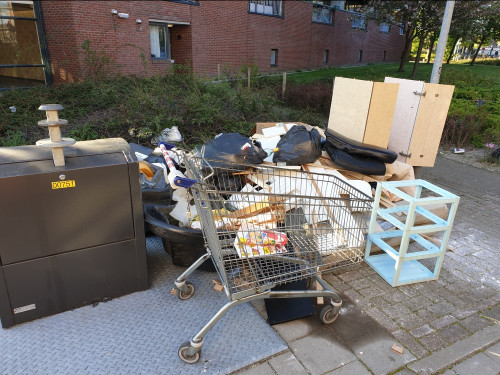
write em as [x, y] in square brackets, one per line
[147, 37]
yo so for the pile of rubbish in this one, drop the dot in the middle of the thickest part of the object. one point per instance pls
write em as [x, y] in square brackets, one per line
[292, 146]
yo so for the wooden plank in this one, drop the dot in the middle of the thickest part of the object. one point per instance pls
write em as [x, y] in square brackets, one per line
[429, 124]
[405, 114]
[349, 109]
[380, 114]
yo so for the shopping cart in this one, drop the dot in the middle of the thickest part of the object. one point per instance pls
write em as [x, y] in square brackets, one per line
[265, 226]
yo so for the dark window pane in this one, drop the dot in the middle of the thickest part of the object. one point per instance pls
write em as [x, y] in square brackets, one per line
[19, 42]
[21, 77]
[14, 9]
[163, 40]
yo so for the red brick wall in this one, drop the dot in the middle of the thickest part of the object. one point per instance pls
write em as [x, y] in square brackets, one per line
[221, 32]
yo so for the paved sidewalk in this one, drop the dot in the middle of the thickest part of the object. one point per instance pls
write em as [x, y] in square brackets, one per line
[442, 324]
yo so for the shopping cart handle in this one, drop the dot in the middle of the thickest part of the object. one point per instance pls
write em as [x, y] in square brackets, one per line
[168, 146]
[184, 182]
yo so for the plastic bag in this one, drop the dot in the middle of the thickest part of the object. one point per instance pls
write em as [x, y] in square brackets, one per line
[298, 146]
[233, 148]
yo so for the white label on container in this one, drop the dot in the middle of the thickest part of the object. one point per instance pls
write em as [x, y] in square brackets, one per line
[18, 310]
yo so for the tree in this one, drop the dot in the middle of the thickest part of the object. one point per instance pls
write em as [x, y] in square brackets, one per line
[486, 28]
[417, 18]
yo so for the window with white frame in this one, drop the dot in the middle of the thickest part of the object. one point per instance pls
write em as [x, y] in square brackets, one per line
[321, 13]
[359, 22]
[160, 41]
[384, 27]
[267, 7]
[274, 57]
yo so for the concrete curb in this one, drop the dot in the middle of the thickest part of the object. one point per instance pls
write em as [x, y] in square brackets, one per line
[446, 357]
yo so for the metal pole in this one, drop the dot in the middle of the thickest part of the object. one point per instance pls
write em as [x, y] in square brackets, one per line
[283, 88]
[443, 38]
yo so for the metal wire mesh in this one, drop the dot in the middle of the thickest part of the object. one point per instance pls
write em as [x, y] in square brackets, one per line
[266, 225]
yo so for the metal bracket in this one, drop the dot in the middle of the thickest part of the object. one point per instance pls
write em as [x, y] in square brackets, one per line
[405, 155]
[419, 93]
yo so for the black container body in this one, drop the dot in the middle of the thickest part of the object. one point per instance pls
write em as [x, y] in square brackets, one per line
[71, 235]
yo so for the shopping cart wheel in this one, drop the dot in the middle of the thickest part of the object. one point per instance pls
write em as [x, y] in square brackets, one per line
[185, 357]
[187, 293]
[328, 314]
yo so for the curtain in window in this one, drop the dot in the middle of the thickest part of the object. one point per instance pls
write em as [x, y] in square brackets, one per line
[276, 7]
[154, 35]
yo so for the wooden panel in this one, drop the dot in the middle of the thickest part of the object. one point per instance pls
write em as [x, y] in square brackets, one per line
[380, 114]
[429, 124]
[349, 110]
[405, 114]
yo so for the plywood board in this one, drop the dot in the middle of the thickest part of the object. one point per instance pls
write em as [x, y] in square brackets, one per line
[349, 109]
[405, 115]
[429, 124]
[380, 114]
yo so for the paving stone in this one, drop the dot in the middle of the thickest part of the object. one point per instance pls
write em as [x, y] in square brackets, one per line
[336, 283]
[464, 313]
[357, 298]
[355, 367]
[260, 369]
[410, 321]
[443, 322]
[433, 342]
[409, 291]
[287, 364]
[405, 371]
[493, 313]
[494, 353]
[443, 358]
[361, 284]
[395, 297]
[371, 292]
[410, 343]
[478, 364]
[321, 352]
[382, 319]
[350, 276]
[475, 323]
[395, 311]
[441, 308]
[296, 329]
[453, 333]
[418, 303]
[421, 331]
[427, 315]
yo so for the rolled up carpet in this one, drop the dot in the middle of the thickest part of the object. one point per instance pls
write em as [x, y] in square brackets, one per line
[360, 164]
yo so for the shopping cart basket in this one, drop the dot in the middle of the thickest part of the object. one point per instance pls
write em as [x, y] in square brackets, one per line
[265, 226]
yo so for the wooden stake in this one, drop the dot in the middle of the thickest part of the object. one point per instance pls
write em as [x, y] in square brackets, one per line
[249, 73]
[218, 72]
[283, 89]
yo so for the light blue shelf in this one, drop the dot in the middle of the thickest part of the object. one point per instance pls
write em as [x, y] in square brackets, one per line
[397, 266]
[411, 271]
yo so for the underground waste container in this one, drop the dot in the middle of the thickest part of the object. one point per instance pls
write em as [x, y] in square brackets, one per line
[184, 245]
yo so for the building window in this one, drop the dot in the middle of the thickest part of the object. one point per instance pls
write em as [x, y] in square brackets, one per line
[360, 55]
[359, 22]
[160, 42]
[325, 57]
[267, 7]
[402, 29]
[274, 57]
[321, 12]
[385, 54]
[384, 27]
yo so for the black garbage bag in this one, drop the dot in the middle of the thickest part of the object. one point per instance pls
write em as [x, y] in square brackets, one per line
[298, 146]
[234, 149]
[360, 164]
[360, 149]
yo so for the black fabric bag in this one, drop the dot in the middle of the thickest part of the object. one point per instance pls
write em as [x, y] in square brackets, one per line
[356, 148]
[355, 163]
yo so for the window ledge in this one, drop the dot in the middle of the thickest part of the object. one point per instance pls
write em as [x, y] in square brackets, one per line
[323, 23]
[267, 15]
[187, 2]
[162, 60]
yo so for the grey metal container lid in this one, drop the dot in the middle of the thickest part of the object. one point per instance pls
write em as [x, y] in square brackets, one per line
[20, 154]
